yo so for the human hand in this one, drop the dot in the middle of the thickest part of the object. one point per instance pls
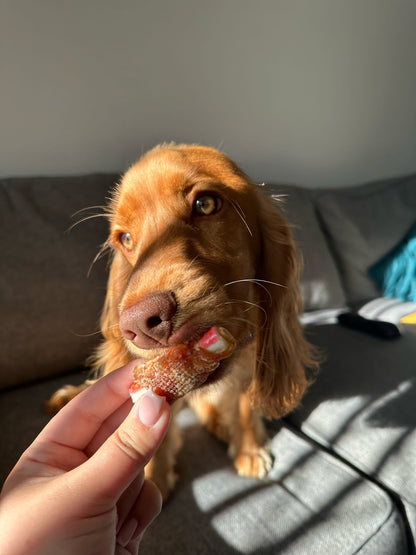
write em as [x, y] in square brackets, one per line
[80, 486]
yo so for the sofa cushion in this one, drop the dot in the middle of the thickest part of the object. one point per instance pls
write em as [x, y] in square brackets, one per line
[363, 224]
[362, 406]
[320, 283]
[49, 305]
[310, 503]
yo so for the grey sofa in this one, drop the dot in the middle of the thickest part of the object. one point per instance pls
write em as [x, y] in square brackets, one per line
[343, 480]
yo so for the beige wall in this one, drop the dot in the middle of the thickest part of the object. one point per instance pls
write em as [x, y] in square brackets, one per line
[316, 92]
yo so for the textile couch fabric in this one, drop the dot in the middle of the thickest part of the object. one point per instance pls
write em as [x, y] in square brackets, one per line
[343, 477]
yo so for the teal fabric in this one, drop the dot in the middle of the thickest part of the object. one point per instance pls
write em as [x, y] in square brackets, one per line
[395, 274]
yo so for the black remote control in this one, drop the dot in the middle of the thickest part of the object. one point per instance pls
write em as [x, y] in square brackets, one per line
[387, 330]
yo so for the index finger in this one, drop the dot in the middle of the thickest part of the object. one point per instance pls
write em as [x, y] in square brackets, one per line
[78, 422]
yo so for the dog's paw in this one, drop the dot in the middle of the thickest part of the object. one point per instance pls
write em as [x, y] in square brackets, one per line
[256, 463]
[61, 397]
[167, 484]
[212, 421]
[165, 481]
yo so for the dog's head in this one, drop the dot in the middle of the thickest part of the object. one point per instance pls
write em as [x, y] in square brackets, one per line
[197, 244]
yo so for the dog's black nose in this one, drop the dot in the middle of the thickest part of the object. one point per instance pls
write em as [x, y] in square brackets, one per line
[149, 322]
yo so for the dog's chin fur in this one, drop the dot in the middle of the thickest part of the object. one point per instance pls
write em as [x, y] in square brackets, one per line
[236, 267]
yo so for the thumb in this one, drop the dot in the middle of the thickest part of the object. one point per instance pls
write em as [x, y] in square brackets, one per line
[123, 456]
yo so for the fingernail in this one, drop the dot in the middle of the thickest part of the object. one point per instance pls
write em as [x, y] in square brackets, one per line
[127, 531]
[150, 408]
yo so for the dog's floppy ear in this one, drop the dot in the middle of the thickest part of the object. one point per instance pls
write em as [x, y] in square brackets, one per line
[279, 379]
[112, 353]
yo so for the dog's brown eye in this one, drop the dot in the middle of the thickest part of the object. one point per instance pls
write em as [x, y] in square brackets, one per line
[127, 241]
[206, 205]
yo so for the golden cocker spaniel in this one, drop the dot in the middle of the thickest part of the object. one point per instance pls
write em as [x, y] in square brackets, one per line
[195, 243]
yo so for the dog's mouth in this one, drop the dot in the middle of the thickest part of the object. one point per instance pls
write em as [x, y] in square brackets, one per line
[184, 367]
[191, 330]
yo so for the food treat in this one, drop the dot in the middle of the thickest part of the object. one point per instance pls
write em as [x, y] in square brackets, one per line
[183, 367]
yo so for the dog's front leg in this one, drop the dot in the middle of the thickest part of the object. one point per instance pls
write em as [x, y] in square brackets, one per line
[247, 446]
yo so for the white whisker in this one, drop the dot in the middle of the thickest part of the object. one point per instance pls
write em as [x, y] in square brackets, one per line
[240, 212]
[104, 208]
[256, 281]
[245, 320]
[221, 144]
[87, 334]
[259, 282]
[252, 305]
[99, 254]
[85, 219]
[98, 332]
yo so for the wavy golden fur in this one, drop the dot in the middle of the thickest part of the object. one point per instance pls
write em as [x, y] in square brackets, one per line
[234, 265]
